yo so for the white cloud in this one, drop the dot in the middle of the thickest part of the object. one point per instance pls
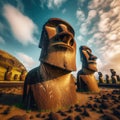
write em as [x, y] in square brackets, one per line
[80, 38]
[51, 4]
[23, 28]
[103, 24]
[2, 40]
[92, 14]
[27, 61]
[80, 15]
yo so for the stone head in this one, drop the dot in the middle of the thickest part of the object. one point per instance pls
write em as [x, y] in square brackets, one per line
[100, 74]
[107, 76]
[88, 59]
[58, 45]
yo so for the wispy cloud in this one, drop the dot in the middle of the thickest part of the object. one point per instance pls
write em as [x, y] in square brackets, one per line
[80, 15]
[64, 10]
[27, 61]
[23, 28]
[2, 41]
[51, 4]
[102, 24]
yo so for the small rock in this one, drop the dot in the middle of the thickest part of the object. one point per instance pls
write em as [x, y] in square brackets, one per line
[118, 107]
[116, 112]
[31, 117]
[79, 109]
[89, 105]
[108, 116]
[104, 97]
[78, 117]
[38, 115]
[105, 105]
[86, 113]
[96, 105]
[70, 111]
[76, 105]
[63, 114]
[7, 111]
[116, 92]
[19, 117]
[100, 110]
[98, 100]
[70, 118]
[54, 116]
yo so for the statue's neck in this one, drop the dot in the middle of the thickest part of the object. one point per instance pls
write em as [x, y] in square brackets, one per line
[87, 71]
[51, 72]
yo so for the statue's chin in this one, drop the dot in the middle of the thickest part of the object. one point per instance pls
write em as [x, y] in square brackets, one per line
[92, 67]
[62, 59]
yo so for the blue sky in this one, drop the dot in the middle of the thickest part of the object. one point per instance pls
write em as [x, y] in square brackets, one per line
[96, 24]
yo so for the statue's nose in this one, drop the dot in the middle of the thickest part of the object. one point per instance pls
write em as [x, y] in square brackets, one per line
[66, 38]
[93, 57]
[64, 35]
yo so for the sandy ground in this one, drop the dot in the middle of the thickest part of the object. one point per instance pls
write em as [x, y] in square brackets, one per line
[102, 106]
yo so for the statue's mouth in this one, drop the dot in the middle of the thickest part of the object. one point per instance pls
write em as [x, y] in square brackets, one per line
[92, 62]
[62, 44]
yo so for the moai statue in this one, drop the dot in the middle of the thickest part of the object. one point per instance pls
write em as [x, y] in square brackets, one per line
[85, 77]
[101, 79]
[118, 78]
[16, 77]
[8, 74]
[107, 79]
[51, 84]
[23, 75]
[113, 76]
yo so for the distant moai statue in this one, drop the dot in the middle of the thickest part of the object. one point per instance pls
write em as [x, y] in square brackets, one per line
[23, 75]
[113, 76]
[118, 78]
[101, 79]
[8, 74]
[16, 77]
[86, 80]
[107, 79]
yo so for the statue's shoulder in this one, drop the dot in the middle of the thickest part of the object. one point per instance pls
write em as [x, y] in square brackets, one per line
[80, 73]
[34, 76]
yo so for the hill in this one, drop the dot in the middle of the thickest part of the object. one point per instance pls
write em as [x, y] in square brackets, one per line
[9, 61]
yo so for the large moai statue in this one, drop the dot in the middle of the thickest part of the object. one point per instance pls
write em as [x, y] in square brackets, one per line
[113, 76]
[107, 79]
[85, 77]
[8, 74]
[51, 85]
[101, 79]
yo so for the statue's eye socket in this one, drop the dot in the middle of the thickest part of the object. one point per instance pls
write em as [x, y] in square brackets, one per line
[88, 52]
[71, 42]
